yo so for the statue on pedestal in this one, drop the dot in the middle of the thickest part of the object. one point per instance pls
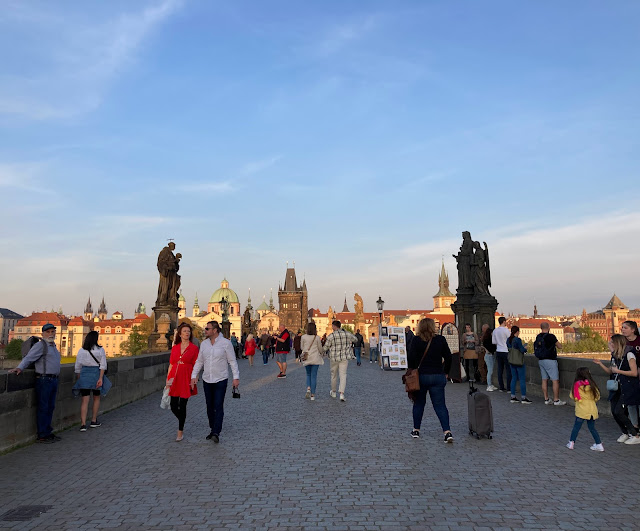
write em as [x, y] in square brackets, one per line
[480, 268]
[464, 259]
[168, 266]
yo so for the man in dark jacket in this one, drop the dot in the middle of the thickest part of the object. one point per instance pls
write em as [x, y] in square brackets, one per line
[357, 346]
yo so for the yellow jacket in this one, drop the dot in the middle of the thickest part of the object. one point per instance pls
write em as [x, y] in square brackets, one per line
[586, 407]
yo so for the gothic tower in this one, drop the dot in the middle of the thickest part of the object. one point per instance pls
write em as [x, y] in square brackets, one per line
[345, 308]
[102, 311]
[443, 300]
[88, 311]
[293, 301]
[196, 307]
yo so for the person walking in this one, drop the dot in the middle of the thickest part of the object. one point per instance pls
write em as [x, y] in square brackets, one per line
[624, 370]
[91, 364]
[357, 347]
[311, 358]
[215, 357]
[183, 357]
[282, 342]
[468, 342]
[296, 345]
[499, 339]
[373, 348]
[546, 350]
[250, 348]
[430, 354]
[489, 356]
[46, 359]
[518, 372]
[234, 344]
[264, 347]
[339, 348]
[585, 393]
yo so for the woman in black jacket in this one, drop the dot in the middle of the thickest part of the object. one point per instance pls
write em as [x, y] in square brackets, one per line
[430, 354]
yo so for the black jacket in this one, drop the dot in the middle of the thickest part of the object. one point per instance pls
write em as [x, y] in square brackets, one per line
[437, 360]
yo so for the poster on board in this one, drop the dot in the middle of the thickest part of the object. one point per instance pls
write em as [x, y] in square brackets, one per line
[393, 347]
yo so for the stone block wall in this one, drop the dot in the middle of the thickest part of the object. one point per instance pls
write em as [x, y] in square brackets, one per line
[132, 378]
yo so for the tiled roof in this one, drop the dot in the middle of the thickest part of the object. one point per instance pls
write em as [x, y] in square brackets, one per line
[9, 314]
[42, 318]
[535, 323]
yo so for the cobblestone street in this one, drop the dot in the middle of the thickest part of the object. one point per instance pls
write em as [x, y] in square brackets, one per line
[284, 461]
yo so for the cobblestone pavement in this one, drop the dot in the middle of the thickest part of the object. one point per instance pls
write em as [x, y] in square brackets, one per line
[284, 461]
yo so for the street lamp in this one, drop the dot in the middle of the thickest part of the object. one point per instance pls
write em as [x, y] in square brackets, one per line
[380, 304]
[224, 305]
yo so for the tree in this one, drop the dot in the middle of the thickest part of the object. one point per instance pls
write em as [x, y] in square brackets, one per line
[135, 344]
[13, 350]
[198, 332]
[589, 341]
[348, 328]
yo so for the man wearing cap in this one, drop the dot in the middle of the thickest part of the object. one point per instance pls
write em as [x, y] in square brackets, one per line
[46, 358]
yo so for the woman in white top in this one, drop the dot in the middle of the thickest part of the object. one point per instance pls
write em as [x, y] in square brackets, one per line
[311, 358]
[91, 364]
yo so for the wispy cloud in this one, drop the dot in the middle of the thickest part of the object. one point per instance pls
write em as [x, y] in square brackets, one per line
[78, 60]
[22, 177]
[260, 165]
[340, 36]
[208, 187]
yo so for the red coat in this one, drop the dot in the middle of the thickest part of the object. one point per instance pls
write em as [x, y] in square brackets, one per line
[180, 369]
[250, 347]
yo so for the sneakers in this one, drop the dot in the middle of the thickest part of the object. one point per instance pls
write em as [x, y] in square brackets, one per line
[570, 445]
[308, 394]
[597, 447]
[342, 398]
[632, 440]
[216, 438]
[370, 361]
[45, 440]
[514, 400]
[95, 424]
[525, 400]
[282, 375]
[548, 401]
[332, 394]
[502, 390]
[622, 438]
[312, 398]
[415, 434]
[83, 427]
[448, 437]
[490, 388]
[559, 403]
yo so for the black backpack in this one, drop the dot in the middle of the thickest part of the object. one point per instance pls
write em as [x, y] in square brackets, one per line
[27, 345]
[540, 349]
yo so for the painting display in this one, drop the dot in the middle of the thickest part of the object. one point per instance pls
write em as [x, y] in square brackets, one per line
[393, 347]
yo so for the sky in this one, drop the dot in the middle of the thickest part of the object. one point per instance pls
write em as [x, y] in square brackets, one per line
[358, 139]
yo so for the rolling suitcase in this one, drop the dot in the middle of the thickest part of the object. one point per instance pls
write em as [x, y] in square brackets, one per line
[480, 413]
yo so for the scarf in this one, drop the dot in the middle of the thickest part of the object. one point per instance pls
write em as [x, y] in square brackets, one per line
[576, 388]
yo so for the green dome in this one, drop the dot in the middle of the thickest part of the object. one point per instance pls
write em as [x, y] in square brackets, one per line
[224, 291]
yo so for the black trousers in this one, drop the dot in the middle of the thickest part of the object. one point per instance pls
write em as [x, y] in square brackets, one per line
[503, 364]
[621, 415]
[472, 374]
[179, 409]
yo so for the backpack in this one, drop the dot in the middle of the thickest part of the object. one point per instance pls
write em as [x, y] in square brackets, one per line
[540, 349]
[27, 345]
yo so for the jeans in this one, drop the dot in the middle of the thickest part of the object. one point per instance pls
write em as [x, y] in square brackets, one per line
[46, 391]
[519, 373]
[621, 415]
[373, 354]
[357, 351]
[341, 367]
[312, 377]
[179, 409]
[265, 355]
[503, 365]
[591, 424]
[490, 360]
[434, 384]
[214, 396]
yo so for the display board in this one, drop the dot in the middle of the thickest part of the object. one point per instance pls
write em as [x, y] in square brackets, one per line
[450, 333]
[393, 348]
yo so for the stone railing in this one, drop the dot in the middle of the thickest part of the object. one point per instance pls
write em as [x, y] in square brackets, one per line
[132, 379]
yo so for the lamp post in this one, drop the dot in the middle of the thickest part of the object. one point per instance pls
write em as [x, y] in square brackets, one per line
[380, 304]
[226, 324]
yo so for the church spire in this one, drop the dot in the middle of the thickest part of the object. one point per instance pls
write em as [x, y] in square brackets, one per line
[345, 308]
[443, 283]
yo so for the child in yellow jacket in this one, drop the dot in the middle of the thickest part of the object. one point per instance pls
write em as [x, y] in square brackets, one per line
[585, 392]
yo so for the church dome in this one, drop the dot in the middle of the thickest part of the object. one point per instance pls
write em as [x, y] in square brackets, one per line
[224, 291]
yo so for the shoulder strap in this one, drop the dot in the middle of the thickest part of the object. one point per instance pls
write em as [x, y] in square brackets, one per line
[425, 354]
[94, 358]
[45, 349]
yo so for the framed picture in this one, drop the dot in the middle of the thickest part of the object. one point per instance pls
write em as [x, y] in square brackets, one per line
[385, 362]
[393, 338]
[383, 331]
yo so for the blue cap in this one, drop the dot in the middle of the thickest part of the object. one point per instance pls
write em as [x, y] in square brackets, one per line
[48, 326]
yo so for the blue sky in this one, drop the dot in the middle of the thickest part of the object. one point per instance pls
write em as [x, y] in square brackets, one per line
[357, 138]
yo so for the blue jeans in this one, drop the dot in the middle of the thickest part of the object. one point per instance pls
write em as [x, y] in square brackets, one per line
[214, 396]
[591, 424]
[265, 355]
[46, 391]
[503, 365]
[518, 373]
[490, 360]
[373, 354]
[357, 352]
[434, 384]
[312, 377]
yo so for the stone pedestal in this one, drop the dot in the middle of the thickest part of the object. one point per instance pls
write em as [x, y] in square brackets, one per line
[226, 329]
[166, 321]
[474, 309]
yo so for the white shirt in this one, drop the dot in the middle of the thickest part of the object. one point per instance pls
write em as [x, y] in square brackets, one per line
[84, 359]
[499, 338]
[373, 342]
[215, 358]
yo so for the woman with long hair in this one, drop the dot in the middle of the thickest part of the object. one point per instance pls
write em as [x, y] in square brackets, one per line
[518, 372]
[183, 356]
[624, 370]
[430, 354]
[250, 348]
[311, 358]
[91, 364]
[629, 330]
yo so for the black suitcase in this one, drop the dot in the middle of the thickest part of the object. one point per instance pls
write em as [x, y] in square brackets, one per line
[480, 413]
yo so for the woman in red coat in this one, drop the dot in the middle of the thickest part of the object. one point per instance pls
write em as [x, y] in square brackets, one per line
[183, 356]
[250, 348]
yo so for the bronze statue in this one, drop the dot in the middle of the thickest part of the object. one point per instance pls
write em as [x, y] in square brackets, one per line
[359, 308]
[168, 266]
[464, 259]
[482, 275]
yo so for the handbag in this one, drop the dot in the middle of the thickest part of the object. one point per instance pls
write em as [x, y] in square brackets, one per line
[515, 357]
[165, 401]
[305, 355]
[411, 378]
[614, 385]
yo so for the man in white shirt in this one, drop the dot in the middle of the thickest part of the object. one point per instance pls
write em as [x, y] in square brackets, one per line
[373, 348]
[216, 352]
[499, 339]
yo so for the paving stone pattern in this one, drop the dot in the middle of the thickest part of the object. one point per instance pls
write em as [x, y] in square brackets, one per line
[287, 462]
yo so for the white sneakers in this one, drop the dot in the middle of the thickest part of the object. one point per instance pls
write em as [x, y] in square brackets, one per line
[342, 398]
[570, 445]
[490, 388]
[633, 440]
[548, 402]
[332, 393]
[559, 403]
[597, 447]
[622, 438]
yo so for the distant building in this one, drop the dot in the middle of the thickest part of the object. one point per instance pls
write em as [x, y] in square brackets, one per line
[114, 331]
[443, 300]
[530, 328]
[293, 302]
[8, 320]
[607, 321]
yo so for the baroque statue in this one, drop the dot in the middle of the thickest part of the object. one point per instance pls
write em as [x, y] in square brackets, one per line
[358, 309]
[480, 268]
[473, 266]
[464, 259]
[168, 266]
